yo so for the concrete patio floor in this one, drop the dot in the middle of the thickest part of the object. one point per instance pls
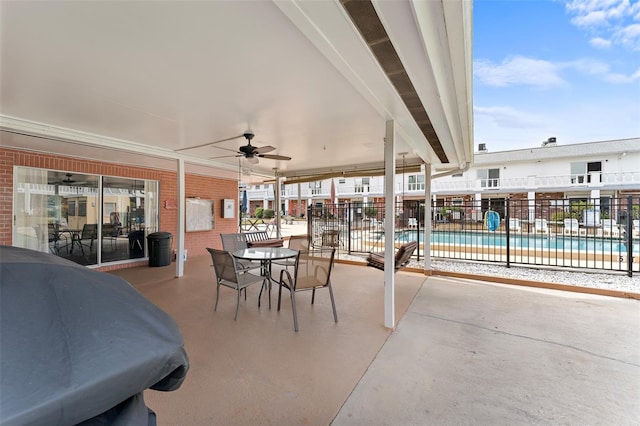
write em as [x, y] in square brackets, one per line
[464, 352]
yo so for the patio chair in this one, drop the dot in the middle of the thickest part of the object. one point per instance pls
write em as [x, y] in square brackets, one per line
[296, 242]
[609, 229]
[229, 275]
[401, 258]
[110, 232]
[330, 238]
[233, 242]
[635, 230]
[571, 227]
[312, 272]
[89, 232]
[514, 225]
[54, 238]
[540, 227]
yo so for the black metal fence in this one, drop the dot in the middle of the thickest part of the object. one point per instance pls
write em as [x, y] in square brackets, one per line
[600, 233]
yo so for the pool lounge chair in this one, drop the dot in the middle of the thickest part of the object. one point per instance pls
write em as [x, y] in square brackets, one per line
[514, 225]
[400, 260]
[609, 229]
[571, 227]
[635, 230]
[540, 227]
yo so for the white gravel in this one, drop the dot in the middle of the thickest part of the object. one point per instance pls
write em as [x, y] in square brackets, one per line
[611, 280]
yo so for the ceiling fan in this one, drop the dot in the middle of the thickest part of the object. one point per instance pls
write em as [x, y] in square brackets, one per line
[250, 152]
[66, 180]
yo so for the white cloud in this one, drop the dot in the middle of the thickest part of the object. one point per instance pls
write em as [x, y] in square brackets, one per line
[600, 43]
[518, 70]
[508, 117]
[522, 71]
[629, 36]
[608, 20]
[601, 69]
[623, 79]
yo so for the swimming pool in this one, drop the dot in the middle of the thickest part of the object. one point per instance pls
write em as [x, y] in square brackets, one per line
[518, 242]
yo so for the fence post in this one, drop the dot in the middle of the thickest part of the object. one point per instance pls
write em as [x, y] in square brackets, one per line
[629, 235]
[348, 215]
[507, 228]
[309, 223]
[417, 206]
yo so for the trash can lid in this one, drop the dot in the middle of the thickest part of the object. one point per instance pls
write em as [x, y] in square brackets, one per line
[159, 236]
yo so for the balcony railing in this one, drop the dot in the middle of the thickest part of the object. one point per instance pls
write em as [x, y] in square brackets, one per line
[593, 179]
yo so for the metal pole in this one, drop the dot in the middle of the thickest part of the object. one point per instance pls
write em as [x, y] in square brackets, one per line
[629, 236]
[507, 225]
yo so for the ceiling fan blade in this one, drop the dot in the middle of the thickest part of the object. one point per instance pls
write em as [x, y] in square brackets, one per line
[263, 149]
[210, 143]
[224, 156]
[274, 157]
[226, 149]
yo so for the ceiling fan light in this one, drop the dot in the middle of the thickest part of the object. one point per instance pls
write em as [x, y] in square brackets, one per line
[252, 160]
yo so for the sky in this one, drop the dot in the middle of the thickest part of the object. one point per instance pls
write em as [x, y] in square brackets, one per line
[568, 69]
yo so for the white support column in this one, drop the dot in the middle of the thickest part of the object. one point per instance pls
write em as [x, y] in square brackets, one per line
[181, 221]
[477, 206]
[427, 217]
[277, 206]
[531, 195]
[299, 207]
[389, 225]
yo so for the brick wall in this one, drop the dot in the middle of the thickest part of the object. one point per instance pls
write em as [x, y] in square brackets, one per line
[195, 186]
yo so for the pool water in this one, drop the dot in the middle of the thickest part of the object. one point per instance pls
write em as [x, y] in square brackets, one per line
[517, 242]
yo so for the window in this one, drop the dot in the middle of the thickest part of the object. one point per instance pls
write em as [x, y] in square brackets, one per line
[362, 185]
[64, 214]
[578, 171]
[582, 172]
[82, 207]
[342, 181]
[416, 182]
[489, 178]
[316, 188]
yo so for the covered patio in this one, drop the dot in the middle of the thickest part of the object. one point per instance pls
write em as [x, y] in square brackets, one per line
[463, 352]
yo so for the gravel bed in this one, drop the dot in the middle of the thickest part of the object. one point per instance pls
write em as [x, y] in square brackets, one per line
[611, 280]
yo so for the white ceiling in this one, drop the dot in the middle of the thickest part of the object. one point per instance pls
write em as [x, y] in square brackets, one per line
[155, 77]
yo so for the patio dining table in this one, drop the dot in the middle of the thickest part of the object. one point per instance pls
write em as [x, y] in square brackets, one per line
[265, 255]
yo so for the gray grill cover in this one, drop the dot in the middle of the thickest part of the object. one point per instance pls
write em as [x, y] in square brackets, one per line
[78, 345]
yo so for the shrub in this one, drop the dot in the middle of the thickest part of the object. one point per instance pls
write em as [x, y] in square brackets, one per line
[259, 212]
[268, 214]
[370, 211]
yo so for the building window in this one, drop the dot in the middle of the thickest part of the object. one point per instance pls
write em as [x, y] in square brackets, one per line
[342, 181]
[489, 178]
[582, 172]
[362, 185]
[65, 214]
[416, 182]
[316, 188]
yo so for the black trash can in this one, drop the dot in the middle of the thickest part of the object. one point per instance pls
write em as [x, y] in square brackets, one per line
[159, 248]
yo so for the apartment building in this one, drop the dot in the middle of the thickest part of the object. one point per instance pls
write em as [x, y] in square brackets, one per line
[600, 170]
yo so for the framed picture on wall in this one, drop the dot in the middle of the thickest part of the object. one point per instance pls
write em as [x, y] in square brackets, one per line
[228, 208]
[199, 215]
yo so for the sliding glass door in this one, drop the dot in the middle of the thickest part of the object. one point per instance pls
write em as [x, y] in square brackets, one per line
[88, 219]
